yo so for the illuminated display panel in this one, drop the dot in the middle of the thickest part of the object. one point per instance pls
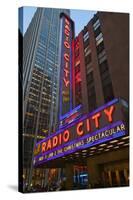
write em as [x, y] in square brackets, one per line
[66, 65]
[77, 73]
[104, 124]
[71, 116]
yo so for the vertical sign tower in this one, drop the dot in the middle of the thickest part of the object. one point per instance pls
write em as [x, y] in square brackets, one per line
[67, 36]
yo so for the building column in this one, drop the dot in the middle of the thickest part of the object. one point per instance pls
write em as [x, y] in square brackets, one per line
[43, 176]
[126, 176]
[46, 177]
[69, 176]
[110, 178]
[59, 174]
[118, 177]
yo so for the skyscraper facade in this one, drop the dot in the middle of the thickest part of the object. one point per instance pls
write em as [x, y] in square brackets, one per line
[40, 82]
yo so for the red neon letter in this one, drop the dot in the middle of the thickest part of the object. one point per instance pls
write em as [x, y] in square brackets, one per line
[67, 38]
[60, 138]
[55, 141]
[66, 32]
[78, 77]
[43, 146]
[66, 56]
[109, 113]
[80, 132]
[67, 21]
[66, 72]
[88, 124]
[95, 117]
[49, 144]
[66, 136]
[66, 82]
[67, 27]
[66, 65]
[67, 45]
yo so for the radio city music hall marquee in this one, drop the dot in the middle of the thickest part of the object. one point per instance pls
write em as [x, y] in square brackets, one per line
[102, 125]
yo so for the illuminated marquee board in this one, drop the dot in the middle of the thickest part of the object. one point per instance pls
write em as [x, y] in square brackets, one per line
[104, 124]
[66, 65]
[71, 116]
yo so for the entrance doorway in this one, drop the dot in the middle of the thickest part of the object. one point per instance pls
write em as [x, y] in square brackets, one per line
[80, 178]
[116, 174]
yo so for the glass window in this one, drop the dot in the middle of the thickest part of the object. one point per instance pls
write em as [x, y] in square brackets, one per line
[88, 59]
[97, 31]
[88, 68]
[53, 39]
[100, 47]
[86, 43]
[40, 52]
[87, 51]
[99, 36]
[44, 30]
[96, 24]
[51, 56]
[108, 92]
[101, 54]
[102, 59]
[99, 39]
[103, 66]
[91, 91]
[47, 13]
[42, 39]
[52, 46]
[86, 36]
[105, 76]
[90, 77]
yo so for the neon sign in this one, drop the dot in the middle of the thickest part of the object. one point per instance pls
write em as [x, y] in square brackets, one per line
[91, 129]
[66, 65]
[77, 73]
[71, 116]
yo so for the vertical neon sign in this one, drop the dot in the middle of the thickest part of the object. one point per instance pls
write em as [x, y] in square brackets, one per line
[77, 73]
[66, 65]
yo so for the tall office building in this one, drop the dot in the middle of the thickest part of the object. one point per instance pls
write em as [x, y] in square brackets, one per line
[40, 84]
